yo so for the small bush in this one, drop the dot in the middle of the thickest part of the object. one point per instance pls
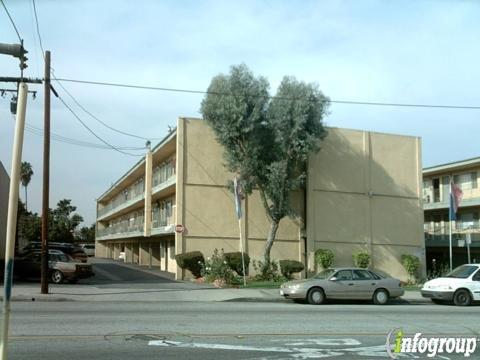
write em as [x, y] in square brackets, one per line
[234, 260]
[411, 263]
[216, 270]
[361, 259]
[289, 267]
[192, 261]
[324, 258]
[268, 270]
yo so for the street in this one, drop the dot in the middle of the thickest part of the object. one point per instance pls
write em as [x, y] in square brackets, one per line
[209, 330]
[147, 329]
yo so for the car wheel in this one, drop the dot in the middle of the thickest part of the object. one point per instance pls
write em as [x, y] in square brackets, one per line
[316, 296]
[462, 297]
[380, 297]
[57, 276]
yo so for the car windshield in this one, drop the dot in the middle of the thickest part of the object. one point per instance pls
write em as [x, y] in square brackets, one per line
[325, 274]
[462, 272]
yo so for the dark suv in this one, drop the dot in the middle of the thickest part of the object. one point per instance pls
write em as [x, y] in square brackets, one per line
[74, 251]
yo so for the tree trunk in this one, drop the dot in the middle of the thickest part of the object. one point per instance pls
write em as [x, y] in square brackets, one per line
[26, 200]
[270, 239]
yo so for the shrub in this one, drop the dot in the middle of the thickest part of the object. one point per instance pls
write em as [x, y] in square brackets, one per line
[289, 267]
[234, 260]
[216, 269]
[268, 270]
[361, 259]
[324, 258]
[411, 263]
[192, 261]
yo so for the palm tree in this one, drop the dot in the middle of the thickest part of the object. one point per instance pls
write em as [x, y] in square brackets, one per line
[26, 173]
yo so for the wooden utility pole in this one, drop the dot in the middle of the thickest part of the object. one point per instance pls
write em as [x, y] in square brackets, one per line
[46, 175]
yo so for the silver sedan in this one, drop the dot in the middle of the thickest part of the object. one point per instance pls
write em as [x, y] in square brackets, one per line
[343, 283]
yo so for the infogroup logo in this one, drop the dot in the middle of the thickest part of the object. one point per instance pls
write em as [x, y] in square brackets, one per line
[398, 343]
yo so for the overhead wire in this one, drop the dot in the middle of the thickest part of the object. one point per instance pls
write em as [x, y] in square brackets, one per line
[76, 102]
[349, 102]
[93, 132]
[11, 20]
[68, 140]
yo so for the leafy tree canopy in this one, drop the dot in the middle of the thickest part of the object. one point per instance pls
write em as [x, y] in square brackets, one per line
[266, 139]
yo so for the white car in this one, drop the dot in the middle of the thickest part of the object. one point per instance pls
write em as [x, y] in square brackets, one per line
[462, 286]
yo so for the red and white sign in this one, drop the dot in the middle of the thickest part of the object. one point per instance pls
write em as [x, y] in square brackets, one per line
[179, 228]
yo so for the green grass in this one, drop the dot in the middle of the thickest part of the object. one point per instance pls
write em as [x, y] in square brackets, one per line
[411, 287]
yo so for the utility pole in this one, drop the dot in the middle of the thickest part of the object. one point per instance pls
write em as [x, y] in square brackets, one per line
[12, 214]
[18, 51]
[46, 176]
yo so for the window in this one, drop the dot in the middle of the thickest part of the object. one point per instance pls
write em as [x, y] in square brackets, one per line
[344, 275]
[375, 275]
[361, 275]
[466, 181]
[476, 277]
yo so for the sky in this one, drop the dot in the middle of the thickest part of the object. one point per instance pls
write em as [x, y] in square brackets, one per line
[420, 52]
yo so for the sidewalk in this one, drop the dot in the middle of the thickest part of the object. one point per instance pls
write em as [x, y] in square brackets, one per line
[171, 292]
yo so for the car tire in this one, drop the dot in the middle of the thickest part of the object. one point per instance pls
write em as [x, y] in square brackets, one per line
[380, 297]
[56, 276]
[316, 296]
[462, 297]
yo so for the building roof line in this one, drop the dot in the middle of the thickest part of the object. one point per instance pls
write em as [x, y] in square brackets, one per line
[453, 164]
[162, 142]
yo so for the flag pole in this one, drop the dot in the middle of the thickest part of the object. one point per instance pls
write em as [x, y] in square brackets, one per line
[238, 210]
[450, 218]
[241, 250]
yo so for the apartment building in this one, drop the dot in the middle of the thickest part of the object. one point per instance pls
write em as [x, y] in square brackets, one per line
[465, 229]
[363, 193]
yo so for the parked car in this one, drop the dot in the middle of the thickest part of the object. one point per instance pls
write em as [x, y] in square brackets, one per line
[121, 256]
[74, 251]
[61, 267]
[343, 283]
[462, 286]
[89, 249]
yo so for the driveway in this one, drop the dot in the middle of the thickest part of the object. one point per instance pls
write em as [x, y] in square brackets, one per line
[114, 272]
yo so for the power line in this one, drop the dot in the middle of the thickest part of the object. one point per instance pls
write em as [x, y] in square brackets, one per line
[92, 132]
[97, 119]
[38, 28]
[70, 95]
[348, 102]
[11, 20]
[60, 138]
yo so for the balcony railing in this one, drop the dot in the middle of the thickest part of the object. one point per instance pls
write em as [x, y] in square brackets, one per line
[135, 193]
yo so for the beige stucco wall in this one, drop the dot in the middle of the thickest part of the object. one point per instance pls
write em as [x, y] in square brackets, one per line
[364, 193]
[206, 207]
[4, 189]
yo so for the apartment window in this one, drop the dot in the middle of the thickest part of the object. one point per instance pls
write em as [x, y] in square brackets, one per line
[466, 181]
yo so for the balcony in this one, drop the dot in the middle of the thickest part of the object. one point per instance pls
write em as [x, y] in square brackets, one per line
[162, 224]
[466, 202]
[122, 204]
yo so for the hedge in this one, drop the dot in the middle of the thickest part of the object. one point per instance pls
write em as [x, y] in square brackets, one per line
[234, 261]
[289, 267]
[191, 261]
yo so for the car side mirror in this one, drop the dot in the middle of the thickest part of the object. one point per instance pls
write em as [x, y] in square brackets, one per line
[333, 278]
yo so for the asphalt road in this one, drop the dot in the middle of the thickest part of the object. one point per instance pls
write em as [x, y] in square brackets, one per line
[224, 330]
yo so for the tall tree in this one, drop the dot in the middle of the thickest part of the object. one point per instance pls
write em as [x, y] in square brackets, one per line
[63, 221]
[266, 139]
[26, 173]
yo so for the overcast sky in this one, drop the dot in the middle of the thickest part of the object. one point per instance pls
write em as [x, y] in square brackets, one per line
[378, 51]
